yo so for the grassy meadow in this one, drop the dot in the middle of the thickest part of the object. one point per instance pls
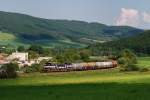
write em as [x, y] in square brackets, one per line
[144, 62]
[85, 85]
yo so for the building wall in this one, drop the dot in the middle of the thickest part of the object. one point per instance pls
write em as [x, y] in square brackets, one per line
[19, 56]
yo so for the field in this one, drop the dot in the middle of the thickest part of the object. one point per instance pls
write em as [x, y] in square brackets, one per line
[8, 38]
[86, 85]
[144, 62]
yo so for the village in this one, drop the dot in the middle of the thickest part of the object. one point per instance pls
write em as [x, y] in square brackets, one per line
[21, 58]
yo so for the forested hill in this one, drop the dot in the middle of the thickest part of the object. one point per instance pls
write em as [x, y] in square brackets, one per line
[28, 29]
[139, 44]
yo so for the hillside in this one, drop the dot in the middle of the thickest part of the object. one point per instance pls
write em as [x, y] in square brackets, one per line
[139, 44]
[27, 30]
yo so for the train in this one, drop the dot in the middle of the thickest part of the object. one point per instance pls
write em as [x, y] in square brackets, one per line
[51, 67]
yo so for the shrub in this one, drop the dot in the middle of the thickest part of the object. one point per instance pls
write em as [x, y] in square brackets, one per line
[33, 68]
[8, 71]
[144, 70]
[127, 61]
[131, 67]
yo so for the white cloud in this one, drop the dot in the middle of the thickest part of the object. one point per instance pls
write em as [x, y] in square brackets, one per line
[129, 17]
[146, 17]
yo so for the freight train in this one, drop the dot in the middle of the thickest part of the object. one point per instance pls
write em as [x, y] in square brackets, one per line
[50, 67]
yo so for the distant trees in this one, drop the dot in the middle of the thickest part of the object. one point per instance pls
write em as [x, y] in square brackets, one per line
[72, 55]
[33, 55]
[36, 48]
[68, 56]
[85, 54]
[8, 49]
[139, 44]
[40, 50]
[21, 49]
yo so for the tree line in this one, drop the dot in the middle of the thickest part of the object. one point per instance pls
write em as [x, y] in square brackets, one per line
[139, 44]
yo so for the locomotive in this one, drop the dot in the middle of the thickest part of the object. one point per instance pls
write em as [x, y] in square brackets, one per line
[51, 67]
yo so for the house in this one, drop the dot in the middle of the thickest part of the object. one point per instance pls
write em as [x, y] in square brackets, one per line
[38, 60]
[43, 58]
[22, 59]
[20, 56]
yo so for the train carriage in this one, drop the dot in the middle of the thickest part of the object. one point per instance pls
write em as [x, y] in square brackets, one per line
[79, 66]
[91, 66]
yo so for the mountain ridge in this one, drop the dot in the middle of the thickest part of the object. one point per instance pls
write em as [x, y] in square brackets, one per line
[29, 29]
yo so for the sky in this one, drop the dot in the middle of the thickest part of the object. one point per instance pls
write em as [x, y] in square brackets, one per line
[134, 13]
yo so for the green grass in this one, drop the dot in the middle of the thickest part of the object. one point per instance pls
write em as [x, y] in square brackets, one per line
[86, 85]
[107, 91]
[144, 62]
[6, 36]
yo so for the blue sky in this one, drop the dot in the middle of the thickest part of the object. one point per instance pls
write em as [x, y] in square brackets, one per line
[111, 12]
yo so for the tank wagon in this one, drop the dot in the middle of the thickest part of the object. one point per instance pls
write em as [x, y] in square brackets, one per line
[50, 67]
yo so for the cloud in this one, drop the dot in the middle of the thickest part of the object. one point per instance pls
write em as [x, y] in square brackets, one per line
[146, 17]
[128, 17]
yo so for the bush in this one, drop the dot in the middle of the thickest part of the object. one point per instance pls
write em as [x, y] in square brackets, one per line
[131, 68]
[144, 70]
[8, 71]
[33, 68]
[127, 61]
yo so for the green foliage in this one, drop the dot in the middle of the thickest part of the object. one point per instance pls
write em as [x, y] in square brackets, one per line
[128, 61]
[9, 70]
[33, 68]
[8, 49]
[129, 56]
[144, 69]
[21, 48]
[36, 48]
[33, 55]
[68, 56]
[140, 44]
[85, 54]
[46, 52]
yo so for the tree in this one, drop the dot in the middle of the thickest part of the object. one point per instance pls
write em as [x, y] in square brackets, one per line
[68, 56]
[34, 68]
[9, 70]
[128, 60]
[85, 54]
[47, 52]
[36, 48]
[33, 55]
[21, 48]
[129, 55]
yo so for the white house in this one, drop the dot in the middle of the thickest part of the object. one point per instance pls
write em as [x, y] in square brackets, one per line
[20, 56]
[43, 58]
[22, 59]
